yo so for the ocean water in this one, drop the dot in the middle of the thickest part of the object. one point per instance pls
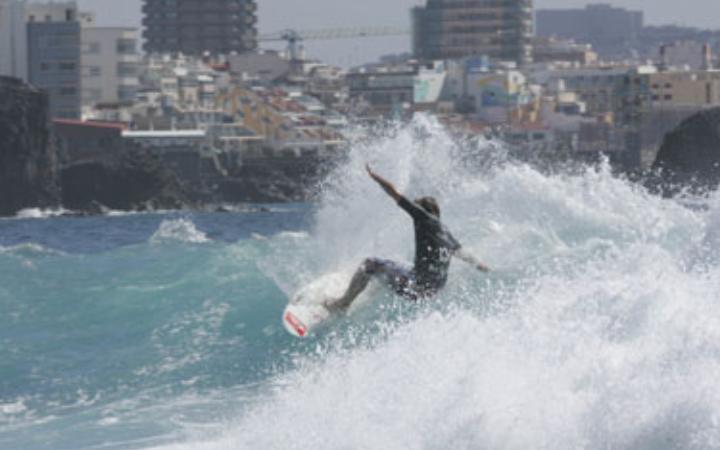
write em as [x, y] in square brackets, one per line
[599, 327]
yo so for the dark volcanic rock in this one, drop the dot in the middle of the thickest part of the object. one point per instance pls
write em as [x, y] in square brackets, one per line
[690, 154]
[271, 180]
[137, 182]
[28, 164]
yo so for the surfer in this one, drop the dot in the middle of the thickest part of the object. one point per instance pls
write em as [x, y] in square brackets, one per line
[434, 247]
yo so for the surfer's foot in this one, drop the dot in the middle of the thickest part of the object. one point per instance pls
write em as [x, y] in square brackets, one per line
[334, 305]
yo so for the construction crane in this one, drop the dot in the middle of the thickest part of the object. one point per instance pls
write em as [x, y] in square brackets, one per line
[295, 38]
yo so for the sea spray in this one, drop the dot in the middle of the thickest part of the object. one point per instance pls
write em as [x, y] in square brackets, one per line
[589, 334]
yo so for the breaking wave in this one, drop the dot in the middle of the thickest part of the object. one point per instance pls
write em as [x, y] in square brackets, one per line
[598, 328]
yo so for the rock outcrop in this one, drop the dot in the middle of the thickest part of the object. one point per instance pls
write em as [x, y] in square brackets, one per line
[690, 154]
[138, 181]
[28, 163]
[271, 180]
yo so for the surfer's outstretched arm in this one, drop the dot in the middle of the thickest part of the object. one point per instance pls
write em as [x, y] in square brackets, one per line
[385, 184]
[470, 259]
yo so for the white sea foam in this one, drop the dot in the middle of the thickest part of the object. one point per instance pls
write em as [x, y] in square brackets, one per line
[39, 213]
[14, 408]
[29, 249]
[182, 230]
[596, 330]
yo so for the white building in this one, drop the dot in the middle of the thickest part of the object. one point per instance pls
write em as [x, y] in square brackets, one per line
[13, 39]
[110, 65]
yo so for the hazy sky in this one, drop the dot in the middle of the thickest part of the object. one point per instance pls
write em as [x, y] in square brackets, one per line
[276, 15]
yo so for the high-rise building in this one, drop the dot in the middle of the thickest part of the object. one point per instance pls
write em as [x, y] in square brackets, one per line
[53, 31]
[194, 27]
[13, 39]
[611, 31]
[110, 64]
[454, 29]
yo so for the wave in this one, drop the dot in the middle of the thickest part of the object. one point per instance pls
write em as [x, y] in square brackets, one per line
[598, 327]
[593, 331]
[29, 249]
[39, 213]
[182, 230]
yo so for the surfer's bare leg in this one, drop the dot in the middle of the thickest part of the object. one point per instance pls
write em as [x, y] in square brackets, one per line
[359, 282]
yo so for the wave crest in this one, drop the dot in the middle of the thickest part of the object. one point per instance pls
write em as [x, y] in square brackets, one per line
[182, 230]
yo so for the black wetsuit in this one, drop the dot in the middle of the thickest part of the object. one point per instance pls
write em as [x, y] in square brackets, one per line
[434, 247]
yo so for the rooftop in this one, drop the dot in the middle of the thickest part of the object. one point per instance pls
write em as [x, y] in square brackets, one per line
[163, 134]
[91, 123]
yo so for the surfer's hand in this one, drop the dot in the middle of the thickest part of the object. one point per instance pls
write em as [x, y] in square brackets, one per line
[370, 172]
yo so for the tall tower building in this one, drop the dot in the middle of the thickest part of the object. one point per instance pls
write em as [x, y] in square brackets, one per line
[13, 39]
[53, 34]
[453, 29]
[194, 27]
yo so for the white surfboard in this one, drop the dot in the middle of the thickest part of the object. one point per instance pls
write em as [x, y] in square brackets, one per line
[306, 311]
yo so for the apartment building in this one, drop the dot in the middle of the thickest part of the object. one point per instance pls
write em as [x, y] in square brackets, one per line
[194, 27]
[53, 31]
[455, 29]
[110, 65]
[13, 39]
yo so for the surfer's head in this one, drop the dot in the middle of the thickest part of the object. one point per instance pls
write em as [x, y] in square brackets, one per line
[429, 204]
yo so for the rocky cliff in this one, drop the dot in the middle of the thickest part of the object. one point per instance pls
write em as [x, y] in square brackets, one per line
[271, 180]
[690, 154]
[28, 164]
[137, 181]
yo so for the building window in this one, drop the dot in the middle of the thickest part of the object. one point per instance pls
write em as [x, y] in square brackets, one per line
[127, 93]
[94, 71]
[67, 66]
[125, 69]
[126, 46]
[68, 91]
[93, 48]
[92, 95]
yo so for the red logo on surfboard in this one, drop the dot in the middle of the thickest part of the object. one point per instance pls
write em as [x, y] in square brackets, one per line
[294, 322]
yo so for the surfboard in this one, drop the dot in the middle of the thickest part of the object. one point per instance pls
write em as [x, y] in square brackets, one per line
[305, 311]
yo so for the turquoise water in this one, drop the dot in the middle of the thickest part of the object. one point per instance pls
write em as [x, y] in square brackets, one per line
[598, 328]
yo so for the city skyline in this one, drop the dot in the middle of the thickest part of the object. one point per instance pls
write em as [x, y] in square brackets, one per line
[277, 15]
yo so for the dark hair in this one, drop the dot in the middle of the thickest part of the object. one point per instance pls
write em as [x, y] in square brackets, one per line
[429, 204]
